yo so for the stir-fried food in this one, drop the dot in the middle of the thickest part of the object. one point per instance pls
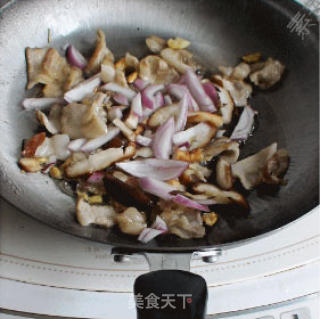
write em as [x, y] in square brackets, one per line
[150, 144]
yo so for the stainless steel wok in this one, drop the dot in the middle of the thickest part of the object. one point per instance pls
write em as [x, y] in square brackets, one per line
[220, 31]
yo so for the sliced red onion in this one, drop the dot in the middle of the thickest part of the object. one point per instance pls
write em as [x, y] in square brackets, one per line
[143, 140]
[121, 99]
[162, 141]
[159, 100]
[136, 105]
[182, 80]
[114, 87]
[157, 188]
[41, 102]
[187, 202]
[183, 114]
[159, 224]
[82, 89]
[245, 124]
[211, 92]
[140, 84]
[148, 95]
[96, 177]
[75, 58]
[167, 100]
[179, 91]
[148, 234]
[154, 168]
[75, 145]
[95, 143]
[198, 92]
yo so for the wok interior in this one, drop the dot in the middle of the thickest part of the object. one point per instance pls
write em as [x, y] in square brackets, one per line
[220, 32]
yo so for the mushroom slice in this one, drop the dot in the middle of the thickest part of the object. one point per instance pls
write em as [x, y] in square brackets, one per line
[276, 166]
[191, 157]
[223, 174]
[74, 78]
[220, 196]
[226, 104]
[95, 162]
[155, 70]
[266, 74]
[34, 59]
[126, 131]
[43, 120]
[198, 117]
[101, 51]
[240, 72]
[250, 170]
[229, 150]
[178, 43]
[181, 60]
[55, 116]
[101, 215]
[145, 152]
[155, 43]
[131, 221]
[108, 71]
[163, 114]
[182, 221]
[252, 57]
[196, 136]
[195, 173]
[55, 146]
[131, 61]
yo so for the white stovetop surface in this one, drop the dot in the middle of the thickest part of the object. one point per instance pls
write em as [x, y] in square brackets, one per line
[48, 272]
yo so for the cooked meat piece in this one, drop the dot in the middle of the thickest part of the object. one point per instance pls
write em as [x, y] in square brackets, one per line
[181, 60]
[32, 144]
[55, 146]
[34, 59]
[74, 78]
[155, 70]
[95, 162]
[101, 215]
[155, 43]
[241, 71]
[226, 104]
[182, 221]
[32, 164]
[228, 149]
[128, 194]
[250, 170]
[43, 120]
[266, 74]
[131, 221]
[101, 51]
[55, 116]
[276, 166]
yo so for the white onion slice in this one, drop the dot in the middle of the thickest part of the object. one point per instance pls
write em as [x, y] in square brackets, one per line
[148, 234]
[198, 92]
[121, 99]
[183, 114]
[167, 100]
[154, 168]
[162, 141]
[41, 102]
[187, 202]
[143, 140]
[75, 58]
[95, 143]
[114, 87]
[245, 124]
[75, 145]
[82, 89]
[157, 188]
[136, 105]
